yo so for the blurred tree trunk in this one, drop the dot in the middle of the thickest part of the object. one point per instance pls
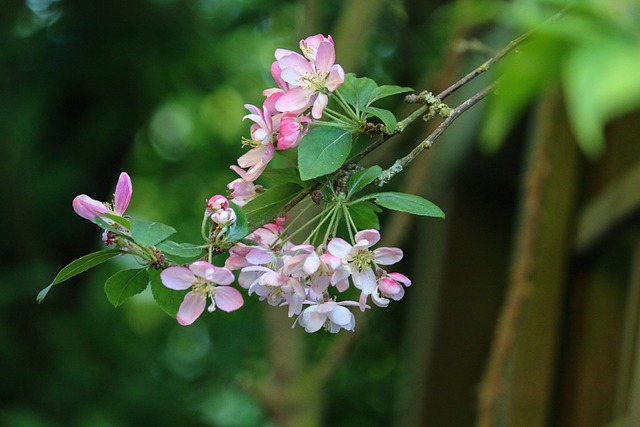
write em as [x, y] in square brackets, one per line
[590, 393]
[520, 376]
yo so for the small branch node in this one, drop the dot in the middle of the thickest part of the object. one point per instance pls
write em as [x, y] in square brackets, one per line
[387, 174]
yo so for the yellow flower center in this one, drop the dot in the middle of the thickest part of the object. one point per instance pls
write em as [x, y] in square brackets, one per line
[363, 259]
[315, 82]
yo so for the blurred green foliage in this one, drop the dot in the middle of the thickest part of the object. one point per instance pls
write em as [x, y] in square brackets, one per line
[157, 88]
[591, 48]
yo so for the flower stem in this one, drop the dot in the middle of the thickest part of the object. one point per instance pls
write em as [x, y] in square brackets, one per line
[354, 114]
[302, 227]
[334, 213]
[346, 122]
[349, 221]
[203, 227]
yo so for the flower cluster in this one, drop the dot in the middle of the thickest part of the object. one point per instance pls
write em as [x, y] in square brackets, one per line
[304, 81]
[316, 280]
[284, 274]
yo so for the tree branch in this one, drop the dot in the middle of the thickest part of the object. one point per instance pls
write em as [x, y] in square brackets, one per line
[400, 164]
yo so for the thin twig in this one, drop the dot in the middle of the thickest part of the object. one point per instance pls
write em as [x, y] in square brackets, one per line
[400, 164]
[423, 109]
[366, 151]
[499, 55]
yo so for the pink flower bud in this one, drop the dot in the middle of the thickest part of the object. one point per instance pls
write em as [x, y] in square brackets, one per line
[292, 130]
[217, 202]
[88, 208]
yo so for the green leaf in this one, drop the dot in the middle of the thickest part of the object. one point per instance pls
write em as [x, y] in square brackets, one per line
[125, 284]
[183, 250]
[593, 98]
[282, 176]
[119, 220]
[388, 90]
[240, 228]
[386, 116]
[105, 225]
[362, 178]
[406, 203]
[364, 215]
[357, 91]
[523, 77]
[78, 266]
[268, 205]
[167, 299]
[322, 151]
[361, 92]
[150, 233]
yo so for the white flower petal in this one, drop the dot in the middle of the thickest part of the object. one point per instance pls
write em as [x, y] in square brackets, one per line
[202, 269]
[387, 256]
[372, 236]
[228, 298]
[311, 263]
[191, 308]
[222, 276]
[365, 280]
[340, 248]
[178, 278]
[312, 320]
[340, 315]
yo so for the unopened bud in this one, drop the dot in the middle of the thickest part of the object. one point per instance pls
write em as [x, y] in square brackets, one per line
[224, 217]
[217, 203]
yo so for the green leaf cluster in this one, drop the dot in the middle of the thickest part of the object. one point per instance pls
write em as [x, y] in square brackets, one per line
[361, 92]
[327, 146]
[364, 210]
[127, 283]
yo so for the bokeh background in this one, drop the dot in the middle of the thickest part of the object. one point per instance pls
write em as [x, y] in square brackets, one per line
[524, 302]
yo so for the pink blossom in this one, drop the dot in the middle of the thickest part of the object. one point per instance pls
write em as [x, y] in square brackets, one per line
[242, 191]
[266, 121]
[89, 208]
[360, 261]
[217, 202]
[277, 288]
[241, 255]
[269, 234]
[263, 135]
[390, 285]
[310, 78]
[224, 217]
[276, 73]
[255, 160]
[206, 282]
[318, 269]
[329, 314]
[292, 129]
[264, 253]
[309, 46]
